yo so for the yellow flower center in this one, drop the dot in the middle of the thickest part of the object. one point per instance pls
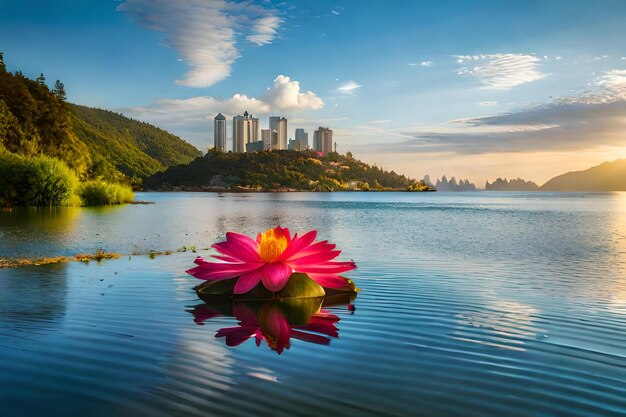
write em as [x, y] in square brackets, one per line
[272, 245]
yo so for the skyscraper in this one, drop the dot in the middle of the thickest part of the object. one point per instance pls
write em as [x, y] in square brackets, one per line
[303, 137]
[266, 137]
[323, 139]
[245, 130]
[282, 133]
[219, 132]
[279, 124]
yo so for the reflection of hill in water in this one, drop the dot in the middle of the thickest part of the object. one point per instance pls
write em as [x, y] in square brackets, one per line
[36, 232]
[33, 299]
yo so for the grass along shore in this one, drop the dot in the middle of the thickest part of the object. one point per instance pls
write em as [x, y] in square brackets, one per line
[42, 181]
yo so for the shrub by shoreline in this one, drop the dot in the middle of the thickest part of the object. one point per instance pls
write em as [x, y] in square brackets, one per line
[100, 193]
[43, 181]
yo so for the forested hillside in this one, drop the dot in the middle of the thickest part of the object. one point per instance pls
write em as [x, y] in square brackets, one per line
[271, 170]
[135, 149]
[36, 120]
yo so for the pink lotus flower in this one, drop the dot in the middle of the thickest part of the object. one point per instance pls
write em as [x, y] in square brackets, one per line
[271, 259]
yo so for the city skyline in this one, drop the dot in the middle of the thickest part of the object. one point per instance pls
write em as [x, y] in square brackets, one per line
[483, 89]
[247, 136]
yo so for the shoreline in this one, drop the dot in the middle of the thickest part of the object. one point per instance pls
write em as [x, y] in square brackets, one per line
[236, 189]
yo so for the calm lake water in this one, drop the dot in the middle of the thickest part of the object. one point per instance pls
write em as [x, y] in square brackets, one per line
[472, 304]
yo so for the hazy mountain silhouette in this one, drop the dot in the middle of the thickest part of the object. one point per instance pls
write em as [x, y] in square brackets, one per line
[608, 176]
[516, 184]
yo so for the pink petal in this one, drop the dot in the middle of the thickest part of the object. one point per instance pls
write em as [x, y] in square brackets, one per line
[322, 326]
[275, 276]
[298, 244]
[331, 268]
[226, 258]
[243, 243]
[275, 325]
[204, 312]
[316, 258]
[310, 338]
[237, 335]
[199, 260]
[235, 251]
[218, 271]
[319, 247]
[247, 281]
[329, 281]
[283, 231]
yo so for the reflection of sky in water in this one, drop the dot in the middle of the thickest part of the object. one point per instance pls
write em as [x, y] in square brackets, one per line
[473, 304]
[618, 293]
[508, 324]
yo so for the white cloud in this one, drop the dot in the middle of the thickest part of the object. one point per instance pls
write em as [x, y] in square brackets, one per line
[413, 64]
[265, 30]
[614, 84]
[205, 32]
[501, 71]
[284, 96]
[426, 63]
[487, 103]
[349, 88]
[337, 10]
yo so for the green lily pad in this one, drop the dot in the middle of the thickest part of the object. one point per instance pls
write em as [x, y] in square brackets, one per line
[298, 286]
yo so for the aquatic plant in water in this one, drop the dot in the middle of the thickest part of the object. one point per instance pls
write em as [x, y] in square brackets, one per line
[272, 260]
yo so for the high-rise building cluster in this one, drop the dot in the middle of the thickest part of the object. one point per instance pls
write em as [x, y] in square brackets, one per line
[245, 134]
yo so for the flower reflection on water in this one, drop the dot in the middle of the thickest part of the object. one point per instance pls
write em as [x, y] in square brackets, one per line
[276, 321]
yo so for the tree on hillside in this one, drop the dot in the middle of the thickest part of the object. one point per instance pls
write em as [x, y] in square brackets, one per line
[59, 90]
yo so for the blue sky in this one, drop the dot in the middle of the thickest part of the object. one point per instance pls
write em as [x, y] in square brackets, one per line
[476, 89]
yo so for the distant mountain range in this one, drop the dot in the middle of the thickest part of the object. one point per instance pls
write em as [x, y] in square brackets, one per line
[517, 184]
[608, 176]
[444, 184]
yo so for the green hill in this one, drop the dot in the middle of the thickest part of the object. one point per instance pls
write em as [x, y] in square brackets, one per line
[135, 149]
[276, 170]
[36, 120]
[608, 176]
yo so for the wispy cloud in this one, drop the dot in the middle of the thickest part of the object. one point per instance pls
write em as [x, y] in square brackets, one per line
[349, 88]
[614, 84]
[265, 30]
[587, 121]
[501, 71]
[426, 64]
[205, 32]
[337, 10]
[487, 103]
